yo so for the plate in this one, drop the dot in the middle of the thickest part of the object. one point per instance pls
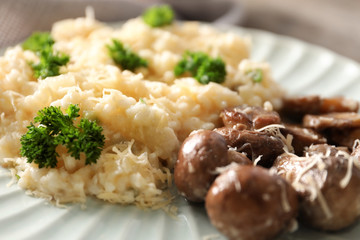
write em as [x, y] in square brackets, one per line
[299, 67]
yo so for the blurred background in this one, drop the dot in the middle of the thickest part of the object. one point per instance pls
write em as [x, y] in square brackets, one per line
[332, 24]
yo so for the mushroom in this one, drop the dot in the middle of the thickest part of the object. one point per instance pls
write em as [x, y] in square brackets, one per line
[249, 203]
[199, 156]
[294, 108]
[255, 144]
[248, 117]
[328, 182]
[302, 137]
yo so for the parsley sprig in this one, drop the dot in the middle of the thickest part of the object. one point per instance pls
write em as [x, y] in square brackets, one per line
[38, 41]
[158, 16]
[50, 62]
[124, 56]
[55, 128]
[202, 67]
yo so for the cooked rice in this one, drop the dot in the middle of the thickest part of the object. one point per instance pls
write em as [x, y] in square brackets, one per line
[145, 115]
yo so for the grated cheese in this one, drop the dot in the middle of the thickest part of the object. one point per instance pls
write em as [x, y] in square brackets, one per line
[320, 197]
[274, 129]
[257, 160]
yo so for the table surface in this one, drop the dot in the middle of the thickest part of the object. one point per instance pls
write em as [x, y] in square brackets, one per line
[332, 24]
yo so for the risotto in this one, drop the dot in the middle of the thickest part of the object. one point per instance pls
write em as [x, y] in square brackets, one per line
[145, 115]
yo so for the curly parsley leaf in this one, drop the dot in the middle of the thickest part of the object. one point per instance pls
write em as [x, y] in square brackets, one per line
[158, 16]
[124, 56]
[49, 62]
[55, 128]
[38, 41]
[203, 68]
[190, 62]
[212, 70]
[39, 145]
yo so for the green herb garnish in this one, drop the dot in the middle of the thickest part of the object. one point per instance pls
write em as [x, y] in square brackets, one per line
[158, 16]
[256, 75]
[42, 44]
[190, 62]
[124, 56]
[38, 41]
[203, 68]
[50, 63]
[55, 128]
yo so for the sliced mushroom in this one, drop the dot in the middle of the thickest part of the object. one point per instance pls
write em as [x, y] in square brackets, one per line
[338, 104]
[295, 108]
[249, 117]
[235, 118]
[343, 136]
[254, 144]
[302, 137]
[332, 120]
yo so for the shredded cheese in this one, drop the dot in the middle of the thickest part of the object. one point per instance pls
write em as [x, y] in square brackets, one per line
[345, 181]
[274, 129]
[257, 160]
[322, 201]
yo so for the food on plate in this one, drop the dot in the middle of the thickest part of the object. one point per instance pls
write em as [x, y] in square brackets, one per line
[255, 144]
[145, 110]
[199, 156]
[38, 41]
[198, 159]
[254, 117]
[328, 184]
[342, 136]
[155, 95]
[302, 137]
[324, 178]
[125, 57]
[41, 143]
[201, 67]
[49, 61]
[332, 120]
[296, 107]
[250, 203]
[237, 157]
[158, 16]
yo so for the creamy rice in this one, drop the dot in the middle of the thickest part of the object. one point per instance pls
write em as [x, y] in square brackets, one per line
[145, 115]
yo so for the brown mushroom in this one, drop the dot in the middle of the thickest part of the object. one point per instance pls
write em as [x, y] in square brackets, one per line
[195, 169]
[235, 119]
[294, 108]
[342, 136]
[237, 157]
[302, 137]
[332, 120]
[255, 144]
[246, 117]
[328, 183]
[250, 203]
